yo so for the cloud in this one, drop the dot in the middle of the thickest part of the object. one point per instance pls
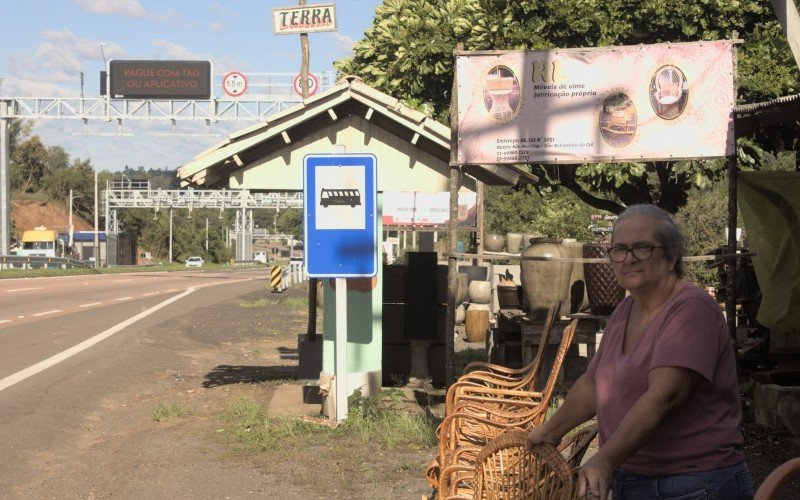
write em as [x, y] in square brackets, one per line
[130, 8]
[343, 43]
[216, 27]
[58, 59]
[165, 49]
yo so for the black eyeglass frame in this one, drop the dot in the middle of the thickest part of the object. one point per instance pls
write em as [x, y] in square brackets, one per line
[648, 247]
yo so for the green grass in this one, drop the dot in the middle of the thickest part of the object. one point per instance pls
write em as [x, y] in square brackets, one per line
[249, 429]
[172, 411]
[297, 302]
[465, 357]
[259, 303]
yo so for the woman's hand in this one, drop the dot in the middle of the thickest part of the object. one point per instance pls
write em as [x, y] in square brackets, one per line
[594, 478]
[540, 435]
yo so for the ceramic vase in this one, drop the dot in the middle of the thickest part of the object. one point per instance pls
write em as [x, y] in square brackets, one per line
[493, 242]
[602, 286]
[513, 242]
[480, 292]
[546, 282]
[477, 322]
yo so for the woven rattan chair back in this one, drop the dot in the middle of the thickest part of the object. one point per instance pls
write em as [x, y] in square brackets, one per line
[505, 470]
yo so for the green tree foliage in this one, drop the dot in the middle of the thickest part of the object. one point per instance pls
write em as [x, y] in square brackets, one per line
[290, 221]
[28, 165]
[408, 53]
[555, 215]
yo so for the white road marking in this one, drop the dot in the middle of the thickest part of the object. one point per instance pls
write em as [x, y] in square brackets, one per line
[168, 291]
[86, 344]
[149, 294]
[123, 281]
[20, 317]
[24, 289]
[5, 321]
[48, 312]
[90, 304]
[124, 298]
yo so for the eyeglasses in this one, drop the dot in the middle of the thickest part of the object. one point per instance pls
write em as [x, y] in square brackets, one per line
[640, 251]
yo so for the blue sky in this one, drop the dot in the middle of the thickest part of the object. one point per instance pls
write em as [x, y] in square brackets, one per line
[46, 44]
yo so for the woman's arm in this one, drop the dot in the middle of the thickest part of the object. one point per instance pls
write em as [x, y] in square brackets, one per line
[668, 388]
[578, 407]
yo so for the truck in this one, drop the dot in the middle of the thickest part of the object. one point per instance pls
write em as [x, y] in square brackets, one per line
[39, 242]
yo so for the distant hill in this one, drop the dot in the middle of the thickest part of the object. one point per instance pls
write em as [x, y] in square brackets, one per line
[27, 214]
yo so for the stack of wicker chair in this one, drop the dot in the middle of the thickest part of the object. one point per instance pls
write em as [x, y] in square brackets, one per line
[490, 401]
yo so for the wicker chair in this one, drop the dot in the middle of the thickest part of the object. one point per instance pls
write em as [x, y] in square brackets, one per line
[505, 470]
[574, 446]
[777, 479]
[482, 413]
[498, 376]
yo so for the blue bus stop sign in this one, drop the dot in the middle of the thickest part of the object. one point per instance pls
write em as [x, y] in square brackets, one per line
[340, 216]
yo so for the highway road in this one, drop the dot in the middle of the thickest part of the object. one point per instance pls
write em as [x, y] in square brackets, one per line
[43, 317]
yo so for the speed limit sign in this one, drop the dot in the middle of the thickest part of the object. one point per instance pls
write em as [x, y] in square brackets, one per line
[234, 84]
[312, 85]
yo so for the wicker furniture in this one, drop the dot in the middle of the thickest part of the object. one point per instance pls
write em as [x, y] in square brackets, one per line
[777, 479]
[505, 470]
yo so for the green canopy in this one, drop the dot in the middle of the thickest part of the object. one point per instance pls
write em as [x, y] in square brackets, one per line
[770, 206]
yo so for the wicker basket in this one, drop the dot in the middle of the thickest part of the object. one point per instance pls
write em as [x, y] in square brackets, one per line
[603, 289]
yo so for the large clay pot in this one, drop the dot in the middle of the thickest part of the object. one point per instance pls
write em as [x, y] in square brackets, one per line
[603, 289]
[546, 282]
[461, 314]
[480, 292]
[477, 323]
[577, 282]
[513, 242]
[462, 288]
[493, 242]
[509, 296]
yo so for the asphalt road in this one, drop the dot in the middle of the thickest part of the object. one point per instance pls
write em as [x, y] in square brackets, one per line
[68, 341]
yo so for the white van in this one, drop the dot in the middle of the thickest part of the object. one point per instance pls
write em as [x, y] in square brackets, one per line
[260, 257]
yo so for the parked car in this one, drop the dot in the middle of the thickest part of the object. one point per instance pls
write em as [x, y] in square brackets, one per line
[260, 256]
[195, 261]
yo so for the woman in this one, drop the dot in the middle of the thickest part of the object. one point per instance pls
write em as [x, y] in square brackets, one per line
[663, 382]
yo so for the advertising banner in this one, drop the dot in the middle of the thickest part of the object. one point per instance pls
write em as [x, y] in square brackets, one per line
[637, 103]
[420, 209]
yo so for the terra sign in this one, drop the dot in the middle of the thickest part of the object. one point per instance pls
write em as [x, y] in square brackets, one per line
[304, 19]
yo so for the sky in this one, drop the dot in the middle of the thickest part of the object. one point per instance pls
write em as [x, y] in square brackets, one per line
[46, 44]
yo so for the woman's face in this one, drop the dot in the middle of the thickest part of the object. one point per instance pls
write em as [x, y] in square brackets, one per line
[637, 274]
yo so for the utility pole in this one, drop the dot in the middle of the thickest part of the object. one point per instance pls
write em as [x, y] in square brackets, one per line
[96, 249]
[5, 191]
[170, 235]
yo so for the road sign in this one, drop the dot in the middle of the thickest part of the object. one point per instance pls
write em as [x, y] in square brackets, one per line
[234, 84]
[313, 85]
[340, 221]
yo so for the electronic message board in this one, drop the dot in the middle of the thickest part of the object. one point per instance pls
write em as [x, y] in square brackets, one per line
[160, 80]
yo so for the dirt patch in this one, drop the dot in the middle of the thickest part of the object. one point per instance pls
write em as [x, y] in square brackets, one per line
[28, 214]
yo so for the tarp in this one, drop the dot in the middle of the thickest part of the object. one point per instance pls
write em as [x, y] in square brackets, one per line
[770, 206]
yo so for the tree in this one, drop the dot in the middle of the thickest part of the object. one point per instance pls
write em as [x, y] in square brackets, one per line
[28, 165]
[408, 53]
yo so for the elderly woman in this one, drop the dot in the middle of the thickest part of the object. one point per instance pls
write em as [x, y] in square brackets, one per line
[663, 382]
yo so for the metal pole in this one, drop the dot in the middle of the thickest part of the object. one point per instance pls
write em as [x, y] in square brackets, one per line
[480, 221]
[106, 212]
[452, 263]
[731, 261]
[70, 210]
[5, 191]
[170, 235]
[206, 234]
[341, 349]
[96, 223]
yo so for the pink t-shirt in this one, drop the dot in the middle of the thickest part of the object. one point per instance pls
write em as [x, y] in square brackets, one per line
[689, 332]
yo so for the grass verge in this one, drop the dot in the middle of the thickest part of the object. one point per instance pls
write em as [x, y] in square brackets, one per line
[166, 412]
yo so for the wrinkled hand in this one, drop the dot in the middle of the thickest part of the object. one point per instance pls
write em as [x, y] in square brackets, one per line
[594, 478]
[538, 435]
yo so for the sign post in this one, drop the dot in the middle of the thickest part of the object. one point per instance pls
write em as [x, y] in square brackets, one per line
[341, 236]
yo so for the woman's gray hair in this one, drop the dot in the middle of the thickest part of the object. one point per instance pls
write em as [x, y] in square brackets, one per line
[668, 233]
